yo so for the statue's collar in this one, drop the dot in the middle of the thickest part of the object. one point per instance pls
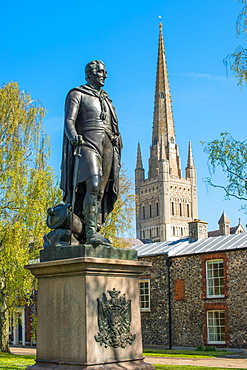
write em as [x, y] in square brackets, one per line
[90, 90]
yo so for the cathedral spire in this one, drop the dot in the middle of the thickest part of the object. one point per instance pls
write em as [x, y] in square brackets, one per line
[163, 125]
[163, 118]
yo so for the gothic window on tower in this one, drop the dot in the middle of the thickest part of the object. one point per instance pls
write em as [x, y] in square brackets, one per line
[172, 140]
[188, 210]
[180, 209]
[150, 210]
[162, 95]
[143, 212]
[172, 208]
[157, 209]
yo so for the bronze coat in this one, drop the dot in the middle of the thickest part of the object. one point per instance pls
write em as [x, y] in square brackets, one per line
[112, 187]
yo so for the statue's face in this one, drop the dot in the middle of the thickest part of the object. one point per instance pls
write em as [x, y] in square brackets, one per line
[97, 78]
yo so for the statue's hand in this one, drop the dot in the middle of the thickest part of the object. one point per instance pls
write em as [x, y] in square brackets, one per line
[76, 140]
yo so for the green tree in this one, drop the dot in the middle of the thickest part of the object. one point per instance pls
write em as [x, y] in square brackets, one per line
[26, 191]
[120, 220]
[238, 59]
[231, 156]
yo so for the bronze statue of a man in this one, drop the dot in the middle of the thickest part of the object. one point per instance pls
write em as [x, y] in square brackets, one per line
[91, 125]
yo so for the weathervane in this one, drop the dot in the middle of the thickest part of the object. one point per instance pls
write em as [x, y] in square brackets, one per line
[159, 16]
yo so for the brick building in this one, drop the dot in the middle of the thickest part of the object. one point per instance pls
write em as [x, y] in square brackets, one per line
[22, 330]
[208, 291]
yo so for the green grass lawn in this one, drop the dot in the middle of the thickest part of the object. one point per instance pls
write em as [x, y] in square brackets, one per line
[19, 362]
[184, 353]
[15, 362]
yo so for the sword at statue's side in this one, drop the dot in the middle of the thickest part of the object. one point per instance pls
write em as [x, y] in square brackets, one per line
[77, 154]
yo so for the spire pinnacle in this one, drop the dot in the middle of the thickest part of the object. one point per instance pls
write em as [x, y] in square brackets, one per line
[223, 219]
[139, 158]
[190, 161]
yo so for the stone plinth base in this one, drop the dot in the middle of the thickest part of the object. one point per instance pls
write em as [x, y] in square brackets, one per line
[127, 365]
[53, 253]
[89, 314]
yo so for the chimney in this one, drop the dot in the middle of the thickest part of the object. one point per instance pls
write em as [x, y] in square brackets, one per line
[197, 230]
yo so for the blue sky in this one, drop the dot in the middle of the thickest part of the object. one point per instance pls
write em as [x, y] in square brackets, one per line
[45, 46]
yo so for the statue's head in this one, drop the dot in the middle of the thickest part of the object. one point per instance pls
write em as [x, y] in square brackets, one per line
[96, 74]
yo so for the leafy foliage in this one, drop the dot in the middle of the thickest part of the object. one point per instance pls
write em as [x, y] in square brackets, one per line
[238, 59]
[121, 218]
[231, 156]
[26, 190]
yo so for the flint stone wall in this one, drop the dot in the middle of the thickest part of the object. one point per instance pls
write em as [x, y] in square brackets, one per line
[189, 303]
[155, 322]
[237, 301]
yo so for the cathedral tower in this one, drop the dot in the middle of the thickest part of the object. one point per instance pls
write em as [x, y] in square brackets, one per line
[166, 201]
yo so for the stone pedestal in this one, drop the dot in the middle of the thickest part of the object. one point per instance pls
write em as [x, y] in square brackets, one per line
[76, 310]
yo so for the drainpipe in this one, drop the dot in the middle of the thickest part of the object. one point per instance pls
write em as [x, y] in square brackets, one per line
[168, 264]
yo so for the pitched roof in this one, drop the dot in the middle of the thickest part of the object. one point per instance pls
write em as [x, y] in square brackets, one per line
[223, 219]
[132, 241]
[183, 247]
[233, 230]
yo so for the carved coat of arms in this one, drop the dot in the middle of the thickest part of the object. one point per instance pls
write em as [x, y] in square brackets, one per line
[114, 319]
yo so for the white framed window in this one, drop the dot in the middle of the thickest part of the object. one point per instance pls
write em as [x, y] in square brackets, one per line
[144, 287]
[216, 327]
[215, 278]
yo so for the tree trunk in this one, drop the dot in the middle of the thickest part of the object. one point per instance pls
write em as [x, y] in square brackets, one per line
[4, 324]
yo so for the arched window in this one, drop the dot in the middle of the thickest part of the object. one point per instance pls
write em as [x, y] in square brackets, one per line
[150, 210]
[162, 95]
[172, 140]
[188, 210]
[180, 209]
[172, 208]
[157, 209]
[143, 212]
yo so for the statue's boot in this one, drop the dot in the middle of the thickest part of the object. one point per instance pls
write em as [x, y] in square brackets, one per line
[90, 217]
[99, 215]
